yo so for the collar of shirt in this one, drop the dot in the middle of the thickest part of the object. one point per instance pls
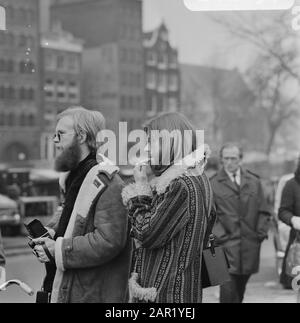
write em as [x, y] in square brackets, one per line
[238, 176]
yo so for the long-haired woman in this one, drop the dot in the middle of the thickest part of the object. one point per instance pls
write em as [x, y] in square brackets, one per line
[168, 214]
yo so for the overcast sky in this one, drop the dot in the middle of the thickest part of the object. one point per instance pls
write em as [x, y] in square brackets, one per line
[199, 40]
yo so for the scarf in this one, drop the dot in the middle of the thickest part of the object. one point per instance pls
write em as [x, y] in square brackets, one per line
[73, 184]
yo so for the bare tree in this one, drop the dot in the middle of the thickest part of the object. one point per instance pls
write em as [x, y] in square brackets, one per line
[202, 105]
[275, 73]
[271, 35]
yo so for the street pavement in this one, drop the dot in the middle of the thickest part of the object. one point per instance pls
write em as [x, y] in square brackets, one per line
[22, 264]
[263, 287]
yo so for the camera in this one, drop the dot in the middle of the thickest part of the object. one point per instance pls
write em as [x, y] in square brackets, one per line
[36, 230]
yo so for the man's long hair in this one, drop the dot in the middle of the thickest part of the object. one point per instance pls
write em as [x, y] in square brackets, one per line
[86, 121]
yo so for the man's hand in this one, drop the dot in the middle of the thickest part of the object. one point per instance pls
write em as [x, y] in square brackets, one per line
[50, 244]
[296, 222]
[140, 174]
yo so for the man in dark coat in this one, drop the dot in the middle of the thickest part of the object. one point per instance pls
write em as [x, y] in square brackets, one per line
[242, 220]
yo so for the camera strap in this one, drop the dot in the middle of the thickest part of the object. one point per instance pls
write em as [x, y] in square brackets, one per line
[47, 252]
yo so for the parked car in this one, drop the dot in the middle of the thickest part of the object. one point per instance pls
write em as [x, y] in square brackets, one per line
[41, 208]
[281, 230]
[9, 216]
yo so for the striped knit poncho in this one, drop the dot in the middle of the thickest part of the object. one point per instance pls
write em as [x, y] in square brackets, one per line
[168, 225]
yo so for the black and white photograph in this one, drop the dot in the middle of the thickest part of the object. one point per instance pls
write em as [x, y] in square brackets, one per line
[150, 154]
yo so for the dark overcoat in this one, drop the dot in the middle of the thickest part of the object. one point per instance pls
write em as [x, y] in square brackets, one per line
[243, 219]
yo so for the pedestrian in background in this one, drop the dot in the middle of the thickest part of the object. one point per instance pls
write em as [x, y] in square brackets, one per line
[289, 213]
[242, 220]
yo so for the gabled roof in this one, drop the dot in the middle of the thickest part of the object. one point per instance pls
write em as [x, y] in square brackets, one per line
[228, 84]
[151, 37]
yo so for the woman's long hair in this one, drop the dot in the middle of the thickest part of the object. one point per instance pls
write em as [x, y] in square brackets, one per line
[179, 147]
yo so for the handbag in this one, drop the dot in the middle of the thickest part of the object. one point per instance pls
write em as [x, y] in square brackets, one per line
[293, 257]
[215, 264]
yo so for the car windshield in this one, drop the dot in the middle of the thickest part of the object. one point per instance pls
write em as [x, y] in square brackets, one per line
[37, 209]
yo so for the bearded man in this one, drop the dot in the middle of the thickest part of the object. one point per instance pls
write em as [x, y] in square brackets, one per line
[88, 257]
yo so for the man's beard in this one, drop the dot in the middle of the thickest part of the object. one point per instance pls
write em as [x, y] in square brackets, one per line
[69, 159]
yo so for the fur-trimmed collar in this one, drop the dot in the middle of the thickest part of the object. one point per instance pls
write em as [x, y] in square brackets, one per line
[191, 165]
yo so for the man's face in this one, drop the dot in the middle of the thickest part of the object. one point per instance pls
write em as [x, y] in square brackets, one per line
[67, 146]
[231, 159]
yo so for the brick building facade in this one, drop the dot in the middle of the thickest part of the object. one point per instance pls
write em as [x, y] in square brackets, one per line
[162, 75]
[20, 113]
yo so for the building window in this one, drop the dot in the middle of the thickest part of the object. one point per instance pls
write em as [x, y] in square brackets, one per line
[2, 65]
[26, 94]
[2, 92]
[152, 104]
[173, 104]
[73, 63]
[23, 120]
[139, 103]
[26, 67]
[160, 104]
[151, 80]
[31, 120]
[10, 66]
[31, 94]
[162, 82]
[151, 58]
[124, 80]
[30, 43]
[11, 120]
[124, 55]
[73, 96]
[22, 41]
[22, 93]
[21, 16]
[11, 93]
[30, 17]
[73, 84]
[123, 102]
[10, 14]
[162, 59]
[173, 60]
[49, 82]
[173, 82]
[49, 94]
[6, 66]
[60, 62]
[50, 63]
[61, 96]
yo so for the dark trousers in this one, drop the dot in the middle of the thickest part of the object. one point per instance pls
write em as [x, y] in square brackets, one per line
[234, 291]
